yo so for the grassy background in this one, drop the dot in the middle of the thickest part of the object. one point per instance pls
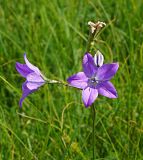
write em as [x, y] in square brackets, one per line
[53, 123]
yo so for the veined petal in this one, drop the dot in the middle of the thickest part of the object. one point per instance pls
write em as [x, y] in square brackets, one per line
[78, 80]
[89, 95]
[89, 67]
[107, 89]
[23, 69]
[107, 71]
[31, 66]
[34, 77]
[98, 59]
[25, 92]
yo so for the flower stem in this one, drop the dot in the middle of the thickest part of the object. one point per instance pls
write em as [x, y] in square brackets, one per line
[93, 130]
[90, 40]
[51, 81]
[94, 30]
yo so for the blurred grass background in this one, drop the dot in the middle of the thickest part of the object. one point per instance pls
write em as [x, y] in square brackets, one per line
[53, 123]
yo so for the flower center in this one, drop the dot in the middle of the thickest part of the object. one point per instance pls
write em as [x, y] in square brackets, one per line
[93, 81]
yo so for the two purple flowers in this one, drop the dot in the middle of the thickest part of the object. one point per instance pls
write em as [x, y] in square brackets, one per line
[94, 80]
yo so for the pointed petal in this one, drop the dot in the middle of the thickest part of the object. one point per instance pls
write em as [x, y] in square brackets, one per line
[89, 95]
[78, 80]
[89, 67]
[98, 59]
[25, 92]
[31, 66]
[34, 77]
[107, 89]
[107, 71]
[22, 69]
[28, 88]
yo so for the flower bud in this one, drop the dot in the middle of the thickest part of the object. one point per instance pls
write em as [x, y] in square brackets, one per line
[98, 59]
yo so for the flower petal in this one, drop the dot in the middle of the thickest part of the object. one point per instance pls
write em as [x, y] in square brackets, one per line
[23, 69]
[98, 59]
[31, 66]
[78, 80]
[89, 67]
[34, 77]
[25, 92]
[107, 89]
[89, 95]
[28, 88]
[107, 71]
[34, 85]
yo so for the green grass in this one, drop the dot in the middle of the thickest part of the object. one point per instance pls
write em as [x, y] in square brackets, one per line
[53, 123]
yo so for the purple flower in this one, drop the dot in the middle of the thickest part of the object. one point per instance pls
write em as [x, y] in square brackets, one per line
[95, 78]
[34, 78]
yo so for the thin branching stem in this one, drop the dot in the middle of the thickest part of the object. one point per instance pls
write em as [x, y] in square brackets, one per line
[94, 31]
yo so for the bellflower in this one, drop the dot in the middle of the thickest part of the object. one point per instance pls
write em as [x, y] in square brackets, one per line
[95, 78]
[34, 78]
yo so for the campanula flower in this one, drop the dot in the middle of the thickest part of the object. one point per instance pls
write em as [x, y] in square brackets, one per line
[95, 78]
[34, 78]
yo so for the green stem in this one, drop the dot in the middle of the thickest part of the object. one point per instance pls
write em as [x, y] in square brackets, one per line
[50, 81]
[90, 40]
[93, 130]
